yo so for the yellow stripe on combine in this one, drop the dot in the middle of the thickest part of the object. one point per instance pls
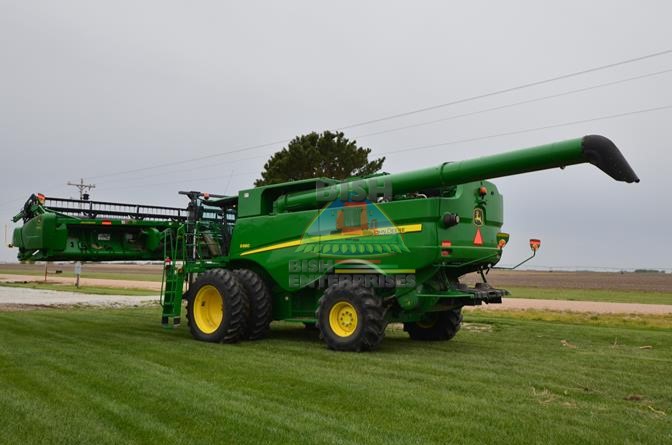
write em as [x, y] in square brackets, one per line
[273, 247]
[373, 271]
[316, 239]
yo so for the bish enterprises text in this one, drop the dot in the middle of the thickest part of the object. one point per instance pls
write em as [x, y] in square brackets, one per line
[320, 274]
[372, 189]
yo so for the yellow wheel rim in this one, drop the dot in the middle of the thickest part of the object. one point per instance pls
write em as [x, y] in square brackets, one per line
[343, 319]
[208, 309]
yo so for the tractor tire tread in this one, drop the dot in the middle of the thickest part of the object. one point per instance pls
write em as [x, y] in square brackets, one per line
[234, 301]
[260, 304]
[373, 314]
[446, 326]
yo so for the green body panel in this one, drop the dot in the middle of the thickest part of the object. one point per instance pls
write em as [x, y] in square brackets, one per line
[260, 200]
[42, 232]
[263, 231]
[427, 229]
[56, 237]
[418, 252]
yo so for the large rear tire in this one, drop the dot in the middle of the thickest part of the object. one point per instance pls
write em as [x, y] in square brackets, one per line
[350, 318]
[259, 313]
[216, 307]
[436, 326]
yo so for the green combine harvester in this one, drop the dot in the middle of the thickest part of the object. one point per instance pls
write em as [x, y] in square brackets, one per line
[348, 257]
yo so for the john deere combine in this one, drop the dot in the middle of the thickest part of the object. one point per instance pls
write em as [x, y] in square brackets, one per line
[346, 256]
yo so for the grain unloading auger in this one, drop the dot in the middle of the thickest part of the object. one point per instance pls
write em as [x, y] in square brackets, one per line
[347, 256]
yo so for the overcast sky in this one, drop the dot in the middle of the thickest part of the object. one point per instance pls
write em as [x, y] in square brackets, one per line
[89, 89]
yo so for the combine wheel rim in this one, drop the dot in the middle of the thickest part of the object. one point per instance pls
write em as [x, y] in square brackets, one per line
[216, 307]
[208, 309]
[343, 319]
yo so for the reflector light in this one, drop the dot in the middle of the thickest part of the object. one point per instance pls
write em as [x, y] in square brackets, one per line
[446, 248]
[106, 223]
[478, 239]
[41, 198]
[482, 191]
[503, 236]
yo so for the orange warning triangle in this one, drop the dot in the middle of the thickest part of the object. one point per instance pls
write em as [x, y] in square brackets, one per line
[478, 239]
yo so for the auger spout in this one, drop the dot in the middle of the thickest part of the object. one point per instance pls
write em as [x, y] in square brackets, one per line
[596, 150]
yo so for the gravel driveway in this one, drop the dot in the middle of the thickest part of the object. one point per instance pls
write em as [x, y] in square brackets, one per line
[12, 297]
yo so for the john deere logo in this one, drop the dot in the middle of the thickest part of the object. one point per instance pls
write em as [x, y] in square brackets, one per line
[478, 216]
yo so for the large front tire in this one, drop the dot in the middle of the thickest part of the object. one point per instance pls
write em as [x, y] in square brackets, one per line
[216, 307]
[436, 326]
[350, 318]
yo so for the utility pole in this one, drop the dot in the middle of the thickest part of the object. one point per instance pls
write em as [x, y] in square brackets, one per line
[84, 189]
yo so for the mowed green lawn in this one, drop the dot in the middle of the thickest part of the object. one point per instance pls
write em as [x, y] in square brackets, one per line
[615, 296]
[114, 376]
[95, 290]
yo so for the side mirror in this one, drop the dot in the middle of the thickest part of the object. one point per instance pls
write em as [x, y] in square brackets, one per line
[535, 244]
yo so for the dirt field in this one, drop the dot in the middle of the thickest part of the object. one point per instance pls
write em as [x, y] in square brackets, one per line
[628, 281]
[597, 307]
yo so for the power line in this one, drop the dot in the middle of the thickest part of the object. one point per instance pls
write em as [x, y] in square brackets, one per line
[478, 138]
[184, 161]
[227, 162]
[459, 141]
[395, 116]
[4, 204]
[507, 90]
[515, 104]
[423, 147]
[440, 144]
[173, 182]
[436, 121]
[464, 100]
[527, 130]
[165, 173]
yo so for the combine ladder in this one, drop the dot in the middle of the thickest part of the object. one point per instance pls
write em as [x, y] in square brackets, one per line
[172, 282]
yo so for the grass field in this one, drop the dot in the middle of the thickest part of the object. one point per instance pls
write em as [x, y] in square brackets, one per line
[96, 290]
[615, 296]
[32, 271]
[114, 376]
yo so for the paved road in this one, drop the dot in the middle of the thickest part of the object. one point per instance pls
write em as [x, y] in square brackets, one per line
[11, 297]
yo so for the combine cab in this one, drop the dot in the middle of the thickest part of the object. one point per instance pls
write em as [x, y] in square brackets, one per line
[346, 256]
